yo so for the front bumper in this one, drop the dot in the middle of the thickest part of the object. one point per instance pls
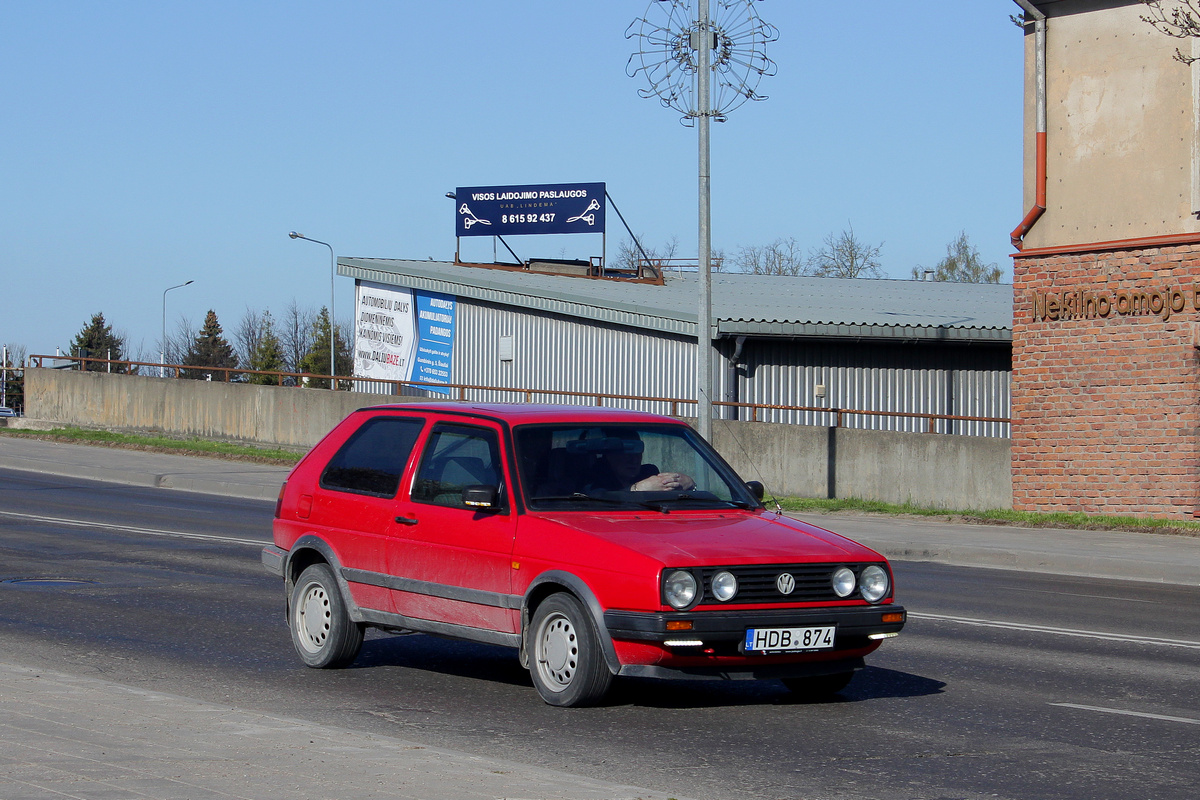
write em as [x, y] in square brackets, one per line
[854, 623]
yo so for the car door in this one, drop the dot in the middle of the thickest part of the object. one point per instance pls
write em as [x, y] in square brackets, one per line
[353, 503]
[455, 561]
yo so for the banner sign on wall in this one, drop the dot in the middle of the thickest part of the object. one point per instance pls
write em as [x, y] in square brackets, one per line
[541, 208]
[435, 338]
[403, 335]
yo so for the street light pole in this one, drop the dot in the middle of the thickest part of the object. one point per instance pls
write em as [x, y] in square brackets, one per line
[332, 273]
[162, 354]
[704, 350]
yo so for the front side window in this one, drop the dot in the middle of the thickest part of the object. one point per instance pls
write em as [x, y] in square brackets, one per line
[455, 457]
[373, 458]
[579, 466]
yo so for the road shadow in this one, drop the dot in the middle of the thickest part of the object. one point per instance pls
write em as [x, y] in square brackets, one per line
[445, 656]
[500, 665]
[870, 683]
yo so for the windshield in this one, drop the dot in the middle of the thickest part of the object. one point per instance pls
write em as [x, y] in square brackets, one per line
[664, 467]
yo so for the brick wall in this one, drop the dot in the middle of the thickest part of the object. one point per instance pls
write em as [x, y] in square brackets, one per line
[1106, 382]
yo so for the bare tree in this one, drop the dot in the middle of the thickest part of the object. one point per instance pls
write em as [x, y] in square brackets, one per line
[629, 256]
[844, 255]
[780, 257]
[295, 334]
[179, 341]
[247, 335]
[1181, 22]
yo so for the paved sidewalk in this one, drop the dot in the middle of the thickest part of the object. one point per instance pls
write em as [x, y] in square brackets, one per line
[136, 468]
[63, 736]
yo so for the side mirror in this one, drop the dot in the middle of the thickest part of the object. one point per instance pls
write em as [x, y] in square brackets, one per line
[757, 489]
[482, 497]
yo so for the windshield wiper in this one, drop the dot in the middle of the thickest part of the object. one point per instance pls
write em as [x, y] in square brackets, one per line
[705, 499]
[577, 496]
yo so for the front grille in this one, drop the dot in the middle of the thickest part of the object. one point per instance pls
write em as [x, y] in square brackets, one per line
[757, 583]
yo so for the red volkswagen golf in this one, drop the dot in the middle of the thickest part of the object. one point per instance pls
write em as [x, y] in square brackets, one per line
[596, 542]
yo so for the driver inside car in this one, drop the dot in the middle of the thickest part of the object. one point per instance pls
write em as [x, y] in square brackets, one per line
[620, 468]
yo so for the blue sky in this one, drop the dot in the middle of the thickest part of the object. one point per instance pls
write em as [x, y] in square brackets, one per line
[149, 143]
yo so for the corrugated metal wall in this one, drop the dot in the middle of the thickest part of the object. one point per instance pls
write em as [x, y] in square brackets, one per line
[550, 351]
[949, 379]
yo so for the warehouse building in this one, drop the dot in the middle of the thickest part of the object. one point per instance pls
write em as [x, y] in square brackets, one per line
[898, 349]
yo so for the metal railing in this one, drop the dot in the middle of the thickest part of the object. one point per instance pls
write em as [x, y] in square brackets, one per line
[346, 383]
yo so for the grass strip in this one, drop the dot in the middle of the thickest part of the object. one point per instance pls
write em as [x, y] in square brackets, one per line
[1026, 519]
[163, 444]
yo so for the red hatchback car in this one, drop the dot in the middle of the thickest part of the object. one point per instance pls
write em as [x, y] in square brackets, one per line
[596, 542]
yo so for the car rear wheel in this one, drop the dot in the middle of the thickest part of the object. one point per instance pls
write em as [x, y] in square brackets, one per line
[818, 687]
[565, 662]
[322, 631]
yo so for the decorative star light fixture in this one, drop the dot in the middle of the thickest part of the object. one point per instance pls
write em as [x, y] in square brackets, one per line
[685, 52]
[668, 37]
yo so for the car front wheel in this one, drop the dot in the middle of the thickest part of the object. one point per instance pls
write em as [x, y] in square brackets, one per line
[322, 631]
[565, 662]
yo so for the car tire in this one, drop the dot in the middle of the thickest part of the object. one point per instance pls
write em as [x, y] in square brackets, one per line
[818, 687]
[565, 661]
[324, 635]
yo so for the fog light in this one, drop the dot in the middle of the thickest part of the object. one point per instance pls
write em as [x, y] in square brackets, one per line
[882, 635]
[683, 643]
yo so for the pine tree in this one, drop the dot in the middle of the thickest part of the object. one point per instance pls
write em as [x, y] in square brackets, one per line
[316, 360]
[209, 349]
[97, 340]
[268, 353]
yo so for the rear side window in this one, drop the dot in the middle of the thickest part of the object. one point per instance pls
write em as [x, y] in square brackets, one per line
[456, 456]
[372, 460]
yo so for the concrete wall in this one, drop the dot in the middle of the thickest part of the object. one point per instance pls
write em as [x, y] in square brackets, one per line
[278, 415]
[927, 469]
[935, 470]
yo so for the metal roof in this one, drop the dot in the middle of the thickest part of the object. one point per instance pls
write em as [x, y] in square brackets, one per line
[751, 305]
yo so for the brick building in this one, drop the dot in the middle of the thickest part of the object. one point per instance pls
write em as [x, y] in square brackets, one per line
[1106, 376]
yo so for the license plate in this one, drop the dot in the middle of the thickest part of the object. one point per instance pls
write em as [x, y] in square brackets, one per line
[788, 640]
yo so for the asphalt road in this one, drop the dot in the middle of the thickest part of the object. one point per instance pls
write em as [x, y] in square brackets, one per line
[1004, 684]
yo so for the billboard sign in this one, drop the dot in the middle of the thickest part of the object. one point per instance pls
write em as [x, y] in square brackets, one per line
[517, 210]
[403, 334]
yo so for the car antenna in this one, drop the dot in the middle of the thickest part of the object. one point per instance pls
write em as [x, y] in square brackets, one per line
[754, 465]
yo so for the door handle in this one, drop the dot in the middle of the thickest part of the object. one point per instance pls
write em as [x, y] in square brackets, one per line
[407, 520]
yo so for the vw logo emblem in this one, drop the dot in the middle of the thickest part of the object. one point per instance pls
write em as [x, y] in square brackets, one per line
[785, 583]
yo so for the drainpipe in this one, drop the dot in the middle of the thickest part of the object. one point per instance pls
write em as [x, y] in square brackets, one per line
[1039, 203]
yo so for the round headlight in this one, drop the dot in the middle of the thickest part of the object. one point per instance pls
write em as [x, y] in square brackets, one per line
[680, 589]
[873, 584]
[724, 586]
[843, 582]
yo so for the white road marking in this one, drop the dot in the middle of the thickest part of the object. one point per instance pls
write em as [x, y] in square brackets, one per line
[108, 526]
[1016, 626]
[1143, 714]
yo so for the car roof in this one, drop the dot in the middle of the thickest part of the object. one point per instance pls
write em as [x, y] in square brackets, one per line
[528, 413]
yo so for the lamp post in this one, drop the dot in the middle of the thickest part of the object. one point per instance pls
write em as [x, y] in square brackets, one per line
[332, 273]
[162, 354]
